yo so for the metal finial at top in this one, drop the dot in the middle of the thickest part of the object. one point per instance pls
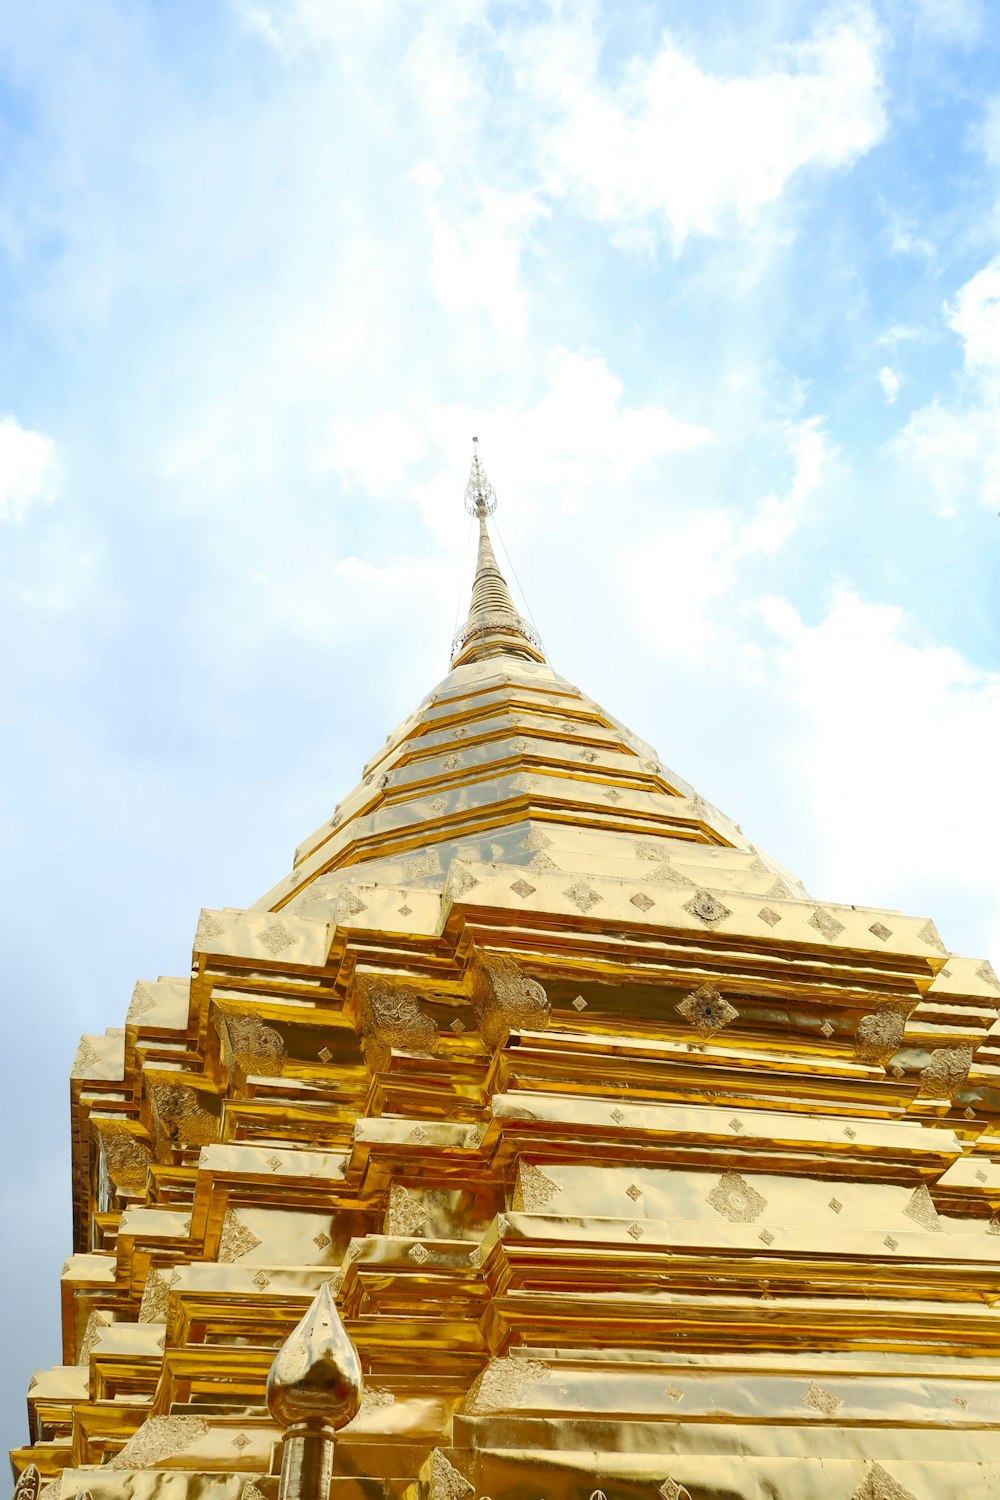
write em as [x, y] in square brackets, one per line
[316, 1376]
[480, 496]
[313, 1389]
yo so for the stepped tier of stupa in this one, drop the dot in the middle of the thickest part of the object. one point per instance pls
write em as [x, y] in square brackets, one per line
[634, 1169]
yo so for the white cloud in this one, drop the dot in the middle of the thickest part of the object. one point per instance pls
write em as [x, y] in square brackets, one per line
[959, 22]
[903, 240]
[291, 25]
[27, 470]
[777, 516]
[476, 258]
[890, 733]
[955, 448]
[987, 134]
[975, 317]
[900, 333]
[890, 383]
[375, 453]
[715, 544]
[577, 441]
[955, 452]
[259, 20]
[674, 581]
[320, 602]
[671, 142]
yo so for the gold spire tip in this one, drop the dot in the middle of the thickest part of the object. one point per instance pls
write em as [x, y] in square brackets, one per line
[493, 626]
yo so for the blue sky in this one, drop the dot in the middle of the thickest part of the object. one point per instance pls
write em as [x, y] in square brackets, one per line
[717, 287]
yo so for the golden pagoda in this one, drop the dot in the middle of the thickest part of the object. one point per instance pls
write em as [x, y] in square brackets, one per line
[619, 1165]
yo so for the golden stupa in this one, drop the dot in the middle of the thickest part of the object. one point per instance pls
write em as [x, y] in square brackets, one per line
[630, 1169]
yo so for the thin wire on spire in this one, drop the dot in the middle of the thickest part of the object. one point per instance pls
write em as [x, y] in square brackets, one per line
[510, 563]
[461, 586]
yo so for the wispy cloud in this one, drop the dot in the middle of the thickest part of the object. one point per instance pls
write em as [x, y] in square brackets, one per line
[957, 22]
[709, 554]
[692, 150]
[952, 446]
[890, 383]
[854, 678]
[27, 470]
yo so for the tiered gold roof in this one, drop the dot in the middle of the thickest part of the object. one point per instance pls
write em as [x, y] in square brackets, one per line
[634, 1168]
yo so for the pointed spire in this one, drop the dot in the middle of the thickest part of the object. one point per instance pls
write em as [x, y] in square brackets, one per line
[493, 626]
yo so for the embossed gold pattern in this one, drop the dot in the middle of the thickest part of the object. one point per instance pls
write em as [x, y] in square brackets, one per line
[878, 1484]
[706, 1010]
[946, 1072]
[236, 1239]
[922, 1211]
[405, 1215]
[85, 1059]
[391, 1017]
[28, 1483]
[258, 1048]
[506, 999]
[736, 1200]
[126, 1157]
[155, 1296]
[182, 1115]
[157, 1438]
[822, 1400]
[878, 1036]
[503, 1382]
[446, 1482]
[535, 1189]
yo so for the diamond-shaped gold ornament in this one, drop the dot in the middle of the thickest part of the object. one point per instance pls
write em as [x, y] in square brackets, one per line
[706, 1011]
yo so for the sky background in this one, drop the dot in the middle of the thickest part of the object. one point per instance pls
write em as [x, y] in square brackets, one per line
[718, 287]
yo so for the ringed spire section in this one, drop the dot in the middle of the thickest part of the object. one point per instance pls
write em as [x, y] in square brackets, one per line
[493, 626]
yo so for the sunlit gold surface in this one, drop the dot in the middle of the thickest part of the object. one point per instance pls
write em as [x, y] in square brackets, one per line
[632, 1167]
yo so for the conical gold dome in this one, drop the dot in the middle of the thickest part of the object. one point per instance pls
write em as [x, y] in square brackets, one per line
[628, 1166]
